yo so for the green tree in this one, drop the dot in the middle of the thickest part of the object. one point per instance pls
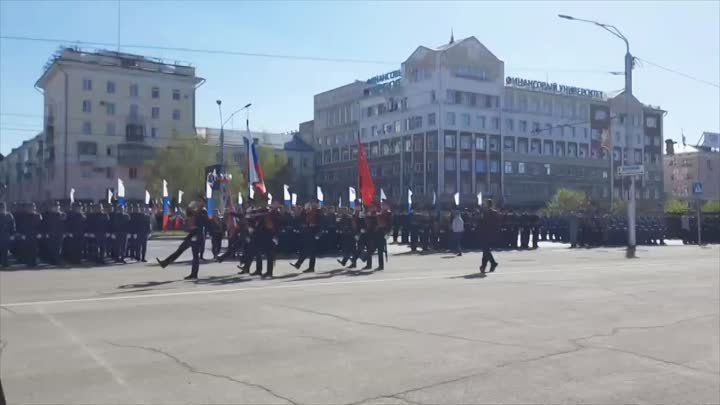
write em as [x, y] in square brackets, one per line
[566, 200]
[183, 164]
[711, 207]
[619, 207]
[675, 206]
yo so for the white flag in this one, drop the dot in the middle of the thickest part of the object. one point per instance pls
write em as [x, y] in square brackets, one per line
[434, 198]
[180, 194]
[120, 189]
[286, 192]
[456, 197]
[410, 193]
[294, 199]
[320, 195]
[165, 189]
[110, 196]
[147, 197]
[340, 202]
[479, 197]
[351, 194]
[208, 190]
[72, 196]
[251, 192]
[383, 197]
[240, 200]
[269, 199]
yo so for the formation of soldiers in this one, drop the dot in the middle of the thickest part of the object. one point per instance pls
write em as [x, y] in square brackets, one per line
[86, 233]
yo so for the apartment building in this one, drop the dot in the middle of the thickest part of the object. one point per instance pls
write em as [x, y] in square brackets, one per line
[105, 113]
[450, 121]
[689, 166]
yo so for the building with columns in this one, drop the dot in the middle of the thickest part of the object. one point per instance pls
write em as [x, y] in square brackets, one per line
[450, 121]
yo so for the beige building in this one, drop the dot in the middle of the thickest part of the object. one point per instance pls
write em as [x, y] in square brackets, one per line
[690, 166]
[105, 113]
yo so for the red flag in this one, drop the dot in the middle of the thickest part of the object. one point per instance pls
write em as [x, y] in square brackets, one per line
[367, 187]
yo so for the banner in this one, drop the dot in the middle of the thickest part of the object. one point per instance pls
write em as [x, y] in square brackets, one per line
[121, 192]
[383, 197]
[165, 189]
[456, 198]
[320, 195]
[367, 187]
[240, 199]
[410, 194]
[72, 196]
[208, 195]
[352, 196]
[479, 199]
[180, 195]
[109, 196]
[294, 199]
[286, 195]
[147, 197]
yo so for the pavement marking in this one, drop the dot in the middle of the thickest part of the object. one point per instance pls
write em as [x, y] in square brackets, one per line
[81, 344]
[637, 266]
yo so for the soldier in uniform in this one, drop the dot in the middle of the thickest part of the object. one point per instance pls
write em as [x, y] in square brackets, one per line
[54, 227]
[119, 221]
[74, 231]
[215, 229]
[311, 235]
[346, 226]
[488, 226]
[193, 240]
[7, 233]
[29, 230]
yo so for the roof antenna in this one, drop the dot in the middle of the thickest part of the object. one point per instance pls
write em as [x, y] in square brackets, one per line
[452, 37]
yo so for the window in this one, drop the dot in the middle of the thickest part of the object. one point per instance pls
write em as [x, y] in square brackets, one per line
[110, 129]
[87, 128]
[156, 113]
[419, 167]
[465, 165]
[465, 120]
[572, 132]
[134, 90]
[449, 141]
[522, 125]
[110, 108]
[431, 120]
[87, 84]
[547, 168]
[155, 92]
[480, 143]
[494, 166]
[651, 122]
[108, 151]
[110, 87]
[509, 124]
[496, 123]
[493, 144]
[465, 142]
[450, 118]
[480, 119]
[548, 129]
[87, 148]
[153, 132]
[133, 172]
[449, 162]
[508, 167]
[134, 110]
[176, 114]
[363, 134]
[521, 167]
[176, 94]
[87, 106]
[480, 166]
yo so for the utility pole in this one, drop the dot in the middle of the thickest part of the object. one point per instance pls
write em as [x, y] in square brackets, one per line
[630, 253]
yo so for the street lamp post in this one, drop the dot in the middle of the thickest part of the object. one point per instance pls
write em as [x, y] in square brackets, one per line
[630, 253]
[221, 146]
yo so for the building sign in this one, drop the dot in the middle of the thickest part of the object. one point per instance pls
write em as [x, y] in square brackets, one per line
[553, 87]
[384, 77]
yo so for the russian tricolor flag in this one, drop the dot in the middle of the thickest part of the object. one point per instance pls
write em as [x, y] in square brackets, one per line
[255, 172]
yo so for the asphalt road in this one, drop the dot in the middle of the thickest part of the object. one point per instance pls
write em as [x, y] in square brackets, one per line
[550, 326]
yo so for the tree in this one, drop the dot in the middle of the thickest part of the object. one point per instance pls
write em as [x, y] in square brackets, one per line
[275, 167]
[566, 200]
[619, 207]
[711, 207]
[675, 206]
[183, 164]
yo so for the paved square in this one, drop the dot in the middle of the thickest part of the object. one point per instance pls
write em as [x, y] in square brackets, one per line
[550, 326]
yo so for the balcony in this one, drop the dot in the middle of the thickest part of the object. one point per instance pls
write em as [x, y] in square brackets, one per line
[87, 158]
[133, 154]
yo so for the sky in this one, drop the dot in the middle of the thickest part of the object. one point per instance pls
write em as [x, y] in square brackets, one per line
[528, 36]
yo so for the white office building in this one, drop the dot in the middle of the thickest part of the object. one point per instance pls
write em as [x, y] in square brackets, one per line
[449, 120]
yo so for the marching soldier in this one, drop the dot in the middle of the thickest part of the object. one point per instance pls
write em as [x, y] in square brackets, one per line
[193, 240]
[311, 236]
[54, 227]
[7, 233]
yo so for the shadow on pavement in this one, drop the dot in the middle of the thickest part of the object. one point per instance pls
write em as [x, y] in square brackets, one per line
[223, 280]
[334, 273]
[471, 276]
[147, 284]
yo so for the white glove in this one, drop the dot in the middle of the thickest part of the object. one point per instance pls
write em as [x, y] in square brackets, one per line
[275, 241]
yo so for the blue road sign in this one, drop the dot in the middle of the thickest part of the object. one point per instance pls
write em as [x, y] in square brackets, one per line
[697, 188]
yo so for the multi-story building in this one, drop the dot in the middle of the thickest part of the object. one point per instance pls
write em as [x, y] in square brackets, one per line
[21, 170]
[105, 113]
[450, 121]
[693, 165]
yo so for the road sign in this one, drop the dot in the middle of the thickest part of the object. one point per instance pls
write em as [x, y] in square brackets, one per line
[697, 188]
[631, 170]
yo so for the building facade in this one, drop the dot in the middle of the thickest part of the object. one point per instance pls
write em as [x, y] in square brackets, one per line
[105, 113]
[690, 166]
[450, 121]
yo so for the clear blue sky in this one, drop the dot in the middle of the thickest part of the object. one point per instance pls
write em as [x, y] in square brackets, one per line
[528, 36]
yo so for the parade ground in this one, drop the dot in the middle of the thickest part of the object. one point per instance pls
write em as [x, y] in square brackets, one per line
[553, 325]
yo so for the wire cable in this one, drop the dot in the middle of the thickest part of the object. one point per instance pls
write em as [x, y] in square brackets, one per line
[687, 76]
